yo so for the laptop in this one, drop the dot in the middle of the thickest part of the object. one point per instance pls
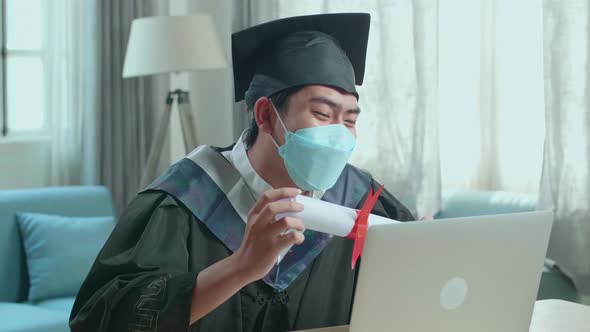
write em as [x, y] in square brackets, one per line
[451, 275]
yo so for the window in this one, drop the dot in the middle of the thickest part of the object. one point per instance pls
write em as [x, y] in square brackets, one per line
[22, 67]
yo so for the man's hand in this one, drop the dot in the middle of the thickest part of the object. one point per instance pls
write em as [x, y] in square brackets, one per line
[265, 237]
[263, 240]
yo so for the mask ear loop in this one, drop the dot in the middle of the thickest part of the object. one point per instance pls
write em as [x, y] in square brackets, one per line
[280, 120]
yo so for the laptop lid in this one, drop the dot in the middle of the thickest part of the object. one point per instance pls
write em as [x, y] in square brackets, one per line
[465, 274]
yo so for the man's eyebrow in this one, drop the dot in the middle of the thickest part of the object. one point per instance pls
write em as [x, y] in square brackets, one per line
[334, 105]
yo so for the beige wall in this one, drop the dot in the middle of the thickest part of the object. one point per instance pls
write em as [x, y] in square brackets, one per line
[211, 90]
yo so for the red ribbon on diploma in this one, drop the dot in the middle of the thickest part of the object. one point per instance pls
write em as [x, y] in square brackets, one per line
[361, 224]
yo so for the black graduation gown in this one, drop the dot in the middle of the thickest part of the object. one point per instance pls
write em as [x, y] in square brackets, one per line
[143, 278]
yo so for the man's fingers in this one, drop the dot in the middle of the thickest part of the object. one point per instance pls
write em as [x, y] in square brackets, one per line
[272, 196]
[282, 225]
[290, 238]
[268, 213]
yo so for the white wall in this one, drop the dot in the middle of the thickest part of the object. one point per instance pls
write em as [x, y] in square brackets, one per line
[23, 163]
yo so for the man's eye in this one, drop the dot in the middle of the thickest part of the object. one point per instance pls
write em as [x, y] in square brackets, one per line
[321, 114]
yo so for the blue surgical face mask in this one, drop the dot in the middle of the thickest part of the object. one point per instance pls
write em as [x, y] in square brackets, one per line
[315, 156]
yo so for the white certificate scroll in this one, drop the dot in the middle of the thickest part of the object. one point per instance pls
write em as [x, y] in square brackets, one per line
[330, 218]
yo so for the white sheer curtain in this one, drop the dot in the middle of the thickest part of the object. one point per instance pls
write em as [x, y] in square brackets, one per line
[70, 97]
[398, 128]
[491, 94]
[566, 169]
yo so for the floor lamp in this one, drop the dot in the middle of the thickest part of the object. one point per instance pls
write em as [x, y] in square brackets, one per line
[171, 44]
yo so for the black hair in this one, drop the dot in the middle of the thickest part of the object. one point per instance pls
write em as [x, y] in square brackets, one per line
[280, 100]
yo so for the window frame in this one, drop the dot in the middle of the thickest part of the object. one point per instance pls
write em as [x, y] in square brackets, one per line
[5, 54]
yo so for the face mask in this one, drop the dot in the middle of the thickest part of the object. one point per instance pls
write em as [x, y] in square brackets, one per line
[315, 157]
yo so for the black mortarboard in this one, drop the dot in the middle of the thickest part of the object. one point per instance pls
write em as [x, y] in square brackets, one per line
[326, 49]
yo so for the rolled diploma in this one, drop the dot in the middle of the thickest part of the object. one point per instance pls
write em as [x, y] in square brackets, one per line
[330, 218]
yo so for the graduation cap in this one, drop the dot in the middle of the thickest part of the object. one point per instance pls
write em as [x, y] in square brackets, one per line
[326, 49]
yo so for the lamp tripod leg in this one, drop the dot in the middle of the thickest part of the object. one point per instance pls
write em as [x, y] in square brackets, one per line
[155, 154]
[189, 132]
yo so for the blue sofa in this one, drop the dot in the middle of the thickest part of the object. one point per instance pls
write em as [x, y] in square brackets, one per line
[455, 204]
[49, 315]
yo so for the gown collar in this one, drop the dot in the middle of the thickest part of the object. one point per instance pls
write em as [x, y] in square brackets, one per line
[238, 157]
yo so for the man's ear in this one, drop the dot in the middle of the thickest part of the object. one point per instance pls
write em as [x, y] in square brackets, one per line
[263, 114]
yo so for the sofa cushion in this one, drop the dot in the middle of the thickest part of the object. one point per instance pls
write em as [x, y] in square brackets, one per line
[61, 304]
[60, 251]
[18, 317]
[477, 203]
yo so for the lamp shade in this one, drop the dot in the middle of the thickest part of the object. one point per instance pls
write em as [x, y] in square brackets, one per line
[164, 44]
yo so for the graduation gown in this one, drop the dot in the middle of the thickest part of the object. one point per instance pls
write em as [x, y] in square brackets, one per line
[192, 217]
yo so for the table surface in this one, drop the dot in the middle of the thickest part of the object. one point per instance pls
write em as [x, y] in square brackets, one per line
[548, 316]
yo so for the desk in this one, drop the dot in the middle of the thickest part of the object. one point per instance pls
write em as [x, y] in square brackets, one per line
[562, 316]
[548, 316]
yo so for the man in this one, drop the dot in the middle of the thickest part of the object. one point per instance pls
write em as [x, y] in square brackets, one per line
[199, 248]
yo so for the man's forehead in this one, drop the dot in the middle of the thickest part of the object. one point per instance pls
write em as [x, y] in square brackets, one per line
[330, 96]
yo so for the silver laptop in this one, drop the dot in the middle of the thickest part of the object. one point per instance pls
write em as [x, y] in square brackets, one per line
[452, 275]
